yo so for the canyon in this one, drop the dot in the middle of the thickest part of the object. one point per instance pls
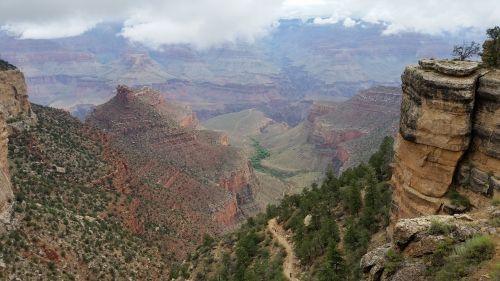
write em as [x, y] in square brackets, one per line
[168, 161]
[330, 135]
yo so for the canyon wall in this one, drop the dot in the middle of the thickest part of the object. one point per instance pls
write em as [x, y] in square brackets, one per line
[449, 135]
[206, 184]
[15, 114]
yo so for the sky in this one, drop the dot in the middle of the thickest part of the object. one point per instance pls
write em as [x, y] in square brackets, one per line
[204, 23]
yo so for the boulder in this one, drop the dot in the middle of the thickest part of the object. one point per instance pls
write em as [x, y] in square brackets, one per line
[372, 263]
[408, 231]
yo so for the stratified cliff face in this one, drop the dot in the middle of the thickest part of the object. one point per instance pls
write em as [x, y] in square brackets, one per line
[204, 184]
[449, 119]
[15, 113]
[480, 170]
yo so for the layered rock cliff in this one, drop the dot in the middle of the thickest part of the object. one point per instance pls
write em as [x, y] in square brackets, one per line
[480, 169]
[448, 135]
[205, 184]
[15, 114]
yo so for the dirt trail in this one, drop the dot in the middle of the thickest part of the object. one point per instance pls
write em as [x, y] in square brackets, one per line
[289, 268]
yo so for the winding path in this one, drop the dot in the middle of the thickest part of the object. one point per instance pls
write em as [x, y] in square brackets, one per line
[289, 268]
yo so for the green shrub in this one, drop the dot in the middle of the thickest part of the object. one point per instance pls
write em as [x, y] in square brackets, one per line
[466, 257]
[458, 199]
[477, 249]
[393, 262]
[439, 228]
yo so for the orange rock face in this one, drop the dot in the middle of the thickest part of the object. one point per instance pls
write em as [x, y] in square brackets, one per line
[448, 135]
[436, 128]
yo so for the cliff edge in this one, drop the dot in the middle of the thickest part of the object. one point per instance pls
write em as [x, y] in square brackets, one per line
[15, 114]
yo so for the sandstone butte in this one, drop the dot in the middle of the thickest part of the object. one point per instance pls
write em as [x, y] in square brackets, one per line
[449, 135]
[15, 114]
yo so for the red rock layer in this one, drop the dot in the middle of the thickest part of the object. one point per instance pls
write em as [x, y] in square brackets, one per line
[189, 182]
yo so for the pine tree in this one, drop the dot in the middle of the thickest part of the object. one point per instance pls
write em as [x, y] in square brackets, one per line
[334, 266]
[353, 200]
[381, 159]
[491, 48]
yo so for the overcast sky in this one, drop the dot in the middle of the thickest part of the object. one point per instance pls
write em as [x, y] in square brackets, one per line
[203, 23]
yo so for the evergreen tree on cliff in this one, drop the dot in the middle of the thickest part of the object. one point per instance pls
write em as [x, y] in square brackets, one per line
[491, 48]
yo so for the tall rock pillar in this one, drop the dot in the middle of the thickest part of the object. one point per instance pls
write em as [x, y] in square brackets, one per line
[435, 131]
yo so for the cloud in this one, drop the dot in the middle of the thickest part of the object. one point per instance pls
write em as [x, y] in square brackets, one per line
[49, 29]
[348, 22]
[424, 16]
[323, 21]
[207, 23]
[201, 23]
[204, 23]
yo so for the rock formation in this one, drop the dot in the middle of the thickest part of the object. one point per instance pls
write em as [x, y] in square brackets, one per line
[480, 170]
[15, 114]
[415, 241]
[205, 185]
[449, 118]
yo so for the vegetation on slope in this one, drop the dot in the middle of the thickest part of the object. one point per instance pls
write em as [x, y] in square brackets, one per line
[64, 225]
[260, 154]
[330, 225]
[246, 254]
[453, 262]
[359, 200]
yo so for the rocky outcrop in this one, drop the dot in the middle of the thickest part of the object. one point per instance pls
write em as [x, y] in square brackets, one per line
[414, 240]
[15, 114]
[449, 120]
[14, 102]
